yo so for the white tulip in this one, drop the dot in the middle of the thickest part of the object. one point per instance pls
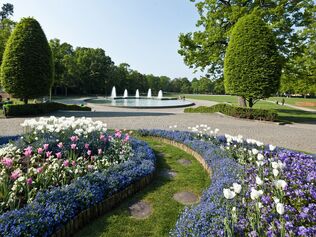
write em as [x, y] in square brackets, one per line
[237, 188]
[281, 164]
[260, 156]
[228, 194]
[271, 147]
[255, 151]
[280, 184]
[259, 180]
[276, 200]
[255, 194]
[275, 165]
[280, 208]
[275, 172]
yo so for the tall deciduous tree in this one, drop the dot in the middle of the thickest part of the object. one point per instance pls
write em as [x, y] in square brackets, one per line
[205, 49]
[252, 66]
[27, 68]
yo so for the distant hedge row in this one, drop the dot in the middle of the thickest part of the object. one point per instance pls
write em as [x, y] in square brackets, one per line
[239, 112]
[12, 110]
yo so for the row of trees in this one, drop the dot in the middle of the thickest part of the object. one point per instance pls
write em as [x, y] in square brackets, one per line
[91, 71]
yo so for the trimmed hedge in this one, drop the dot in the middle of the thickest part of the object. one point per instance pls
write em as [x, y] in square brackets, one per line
[239, 112]
[53, 208]
[39, 109]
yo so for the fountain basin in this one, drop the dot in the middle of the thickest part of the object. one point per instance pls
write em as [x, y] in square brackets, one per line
[142, 102]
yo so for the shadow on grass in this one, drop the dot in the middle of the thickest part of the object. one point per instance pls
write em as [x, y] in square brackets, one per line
[296, 116]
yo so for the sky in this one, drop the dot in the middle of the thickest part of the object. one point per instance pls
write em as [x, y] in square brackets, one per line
[142, 33]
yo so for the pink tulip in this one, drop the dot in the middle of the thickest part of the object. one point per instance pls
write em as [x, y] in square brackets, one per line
[73, 146]
[29, 181]
[58, 155]
[102, 137]
[74, 138]
[28, 151]
[46, 146]
[7, 162]
[40, 150]
[126, 137]
[66, 163]
[89, 152]
[118, 134]
[90, 167]
[39, 170]
[48, 154]
[86, 146]
[60, 145]
[73, 163]
[15, 174]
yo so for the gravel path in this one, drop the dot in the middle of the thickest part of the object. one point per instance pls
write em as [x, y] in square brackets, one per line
[294, 136]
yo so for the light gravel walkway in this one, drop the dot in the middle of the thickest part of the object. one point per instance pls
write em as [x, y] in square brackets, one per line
[294, 136]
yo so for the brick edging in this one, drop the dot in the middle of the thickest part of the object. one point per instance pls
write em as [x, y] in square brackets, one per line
[187, 149]
[99, 209]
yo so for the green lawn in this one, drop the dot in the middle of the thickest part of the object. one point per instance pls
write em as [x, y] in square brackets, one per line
[285, 113]
[159, 193]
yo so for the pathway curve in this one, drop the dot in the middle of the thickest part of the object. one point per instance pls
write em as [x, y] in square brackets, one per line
[295, 107]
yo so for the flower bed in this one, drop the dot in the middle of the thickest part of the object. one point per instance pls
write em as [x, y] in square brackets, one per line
[256, 190]
[61, 167]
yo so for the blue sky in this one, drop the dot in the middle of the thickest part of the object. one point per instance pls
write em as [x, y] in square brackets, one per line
[142, 33]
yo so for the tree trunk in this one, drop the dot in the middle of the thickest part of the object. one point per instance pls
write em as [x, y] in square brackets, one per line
[242, 101]
[250, 102]
[66, 92]
[25, 100]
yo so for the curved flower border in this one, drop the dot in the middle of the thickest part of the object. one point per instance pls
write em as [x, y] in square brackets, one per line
[54, 208]
[212, 216]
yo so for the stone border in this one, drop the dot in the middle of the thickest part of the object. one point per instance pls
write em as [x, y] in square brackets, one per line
[86, 216]
[187, 149]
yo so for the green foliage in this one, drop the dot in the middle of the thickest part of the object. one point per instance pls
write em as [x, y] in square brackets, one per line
[300, 76]
[239, 112]
[6, 27]
[205, 49]
[15, 110]
[252, 63]
[27, 67]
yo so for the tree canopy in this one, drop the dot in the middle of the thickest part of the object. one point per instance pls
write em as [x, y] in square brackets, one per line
[27, 67]
[205, 49]
[252, 67]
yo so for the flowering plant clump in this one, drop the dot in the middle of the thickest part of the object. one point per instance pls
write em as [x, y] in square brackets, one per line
[256, 190]
[52, 208]
[54, 152]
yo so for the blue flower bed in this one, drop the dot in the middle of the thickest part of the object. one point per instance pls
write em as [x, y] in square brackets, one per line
[55, 207]
[283, 195]
[6, 139]
[206, 218]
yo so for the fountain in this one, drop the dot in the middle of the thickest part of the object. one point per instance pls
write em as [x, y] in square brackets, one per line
[125, 94]
[113, 93]
[137, 93]
[149, 93]
[160, 94]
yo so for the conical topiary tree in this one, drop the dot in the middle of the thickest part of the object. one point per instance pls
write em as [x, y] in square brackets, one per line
[27, 67]
[252, 65]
